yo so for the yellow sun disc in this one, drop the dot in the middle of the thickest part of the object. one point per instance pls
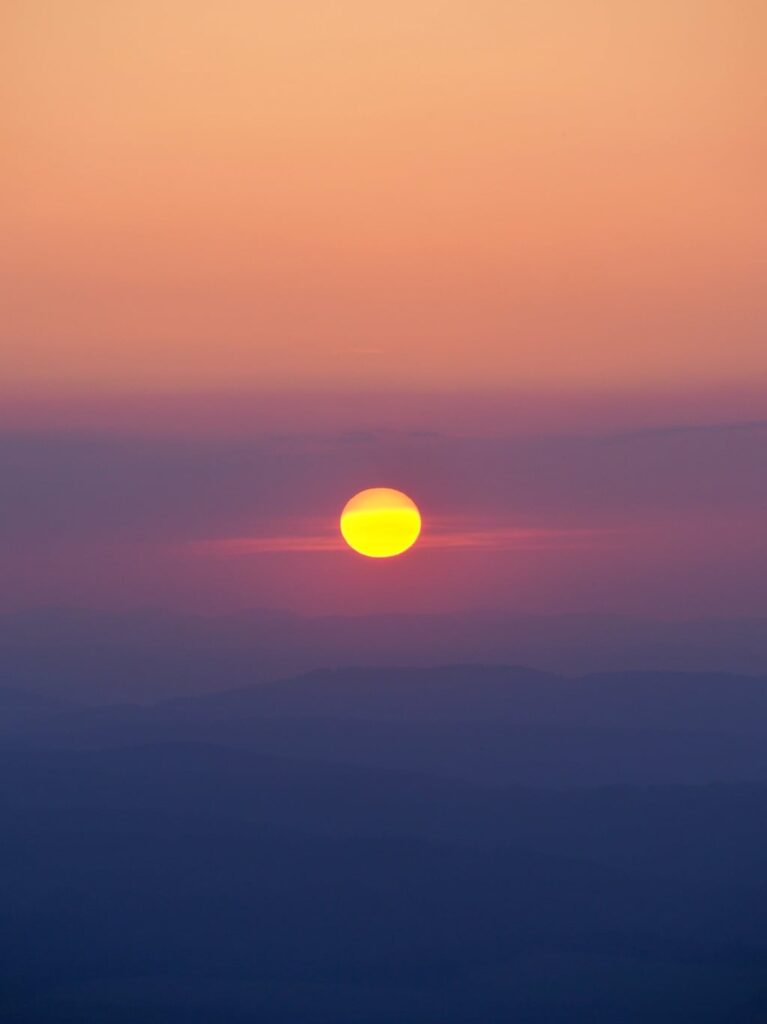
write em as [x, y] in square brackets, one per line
[380, 522]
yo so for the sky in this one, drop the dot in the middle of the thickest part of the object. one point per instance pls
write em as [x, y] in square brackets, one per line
[507, 256]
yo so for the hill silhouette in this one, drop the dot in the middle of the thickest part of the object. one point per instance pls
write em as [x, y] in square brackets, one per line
[489, 724]
[101, 656]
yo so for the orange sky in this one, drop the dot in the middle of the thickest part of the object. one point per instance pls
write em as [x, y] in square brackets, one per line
[415, 194]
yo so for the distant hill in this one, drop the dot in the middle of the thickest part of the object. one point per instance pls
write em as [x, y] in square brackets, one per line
[662, 829]
[21, 709]
[515, 694]
[148, 655]
[501, 725]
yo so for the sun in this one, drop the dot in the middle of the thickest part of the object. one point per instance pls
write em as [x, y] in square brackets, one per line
[380, 522]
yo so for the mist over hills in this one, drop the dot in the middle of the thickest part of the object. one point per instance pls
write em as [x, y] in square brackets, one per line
[364, 845]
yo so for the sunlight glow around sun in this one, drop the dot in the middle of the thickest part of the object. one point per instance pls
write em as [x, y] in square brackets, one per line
[380, 522]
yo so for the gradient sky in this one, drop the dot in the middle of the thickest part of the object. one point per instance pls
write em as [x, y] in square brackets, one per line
[507, 256]
[418, 193]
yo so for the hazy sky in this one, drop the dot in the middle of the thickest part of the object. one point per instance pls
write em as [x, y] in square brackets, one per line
[657, 522]
[507, 256]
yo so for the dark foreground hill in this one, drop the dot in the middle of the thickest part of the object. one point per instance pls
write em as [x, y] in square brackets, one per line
[376, 847]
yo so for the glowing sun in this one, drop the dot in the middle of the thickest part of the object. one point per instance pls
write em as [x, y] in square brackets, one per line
[380, 522]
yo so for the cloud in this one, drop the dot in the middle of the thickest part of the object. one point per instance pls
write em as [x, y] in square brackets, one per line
[441, 537]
